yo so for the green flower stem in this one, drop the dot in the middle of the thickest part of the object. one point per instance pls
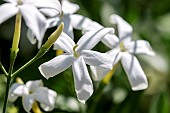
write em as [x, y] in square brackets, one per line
[40, 53]
[3, 69]
[12, 61]
[102, 85]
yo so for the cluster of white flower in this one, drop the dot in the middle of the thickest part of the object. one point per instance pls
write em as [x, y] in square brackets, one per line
[39, 15]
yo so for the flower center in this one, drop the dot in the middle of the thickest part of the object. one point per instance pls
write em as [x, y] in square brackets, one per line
[74, 50]
[122, 47]
[19, 2]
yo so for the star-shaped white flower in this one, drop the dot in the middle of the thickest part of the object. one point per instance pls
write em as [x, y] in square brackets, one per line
[124, 49]
[78, 55]
[33, 12]
[33, 91]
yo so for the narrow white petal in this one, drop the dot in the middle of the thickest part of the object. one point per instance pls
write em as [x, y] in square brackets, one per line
[19, 89]
[82, 80]
[31, 37]
[136, 76]
[49, 12]
[56, 65]
[46, 108]
[68, 28]
[65, 43]
[115, 55]
[124, 28]
[140, 47]
[7, 11]
[45, 96]
[27, 102]
[43, 4]
[12, 1]
[98, 73]
[95, 58]
[51, 22]
[111, 41]
[12, 97]
[83, 23]
[37, 22]
[33, 85]
[91, 38]
[68, 7]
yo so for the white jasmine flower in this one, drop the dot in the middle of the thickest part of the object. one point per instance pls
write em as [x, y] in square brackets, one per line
[73, 21]
[33, 12]
[124, 49]
[78, 55]
[33, 91]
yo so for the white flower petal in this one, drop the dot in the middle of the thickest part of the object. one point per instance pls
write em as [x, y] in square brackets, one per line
[33, 85]
[68, 7]
[111, 41]
[124, 28]
[49, 12]
[98, 73]
[51, 22]
[115, 55]
[68, 29]
[45, 96]
[19, 89]
[7, 11]
[12, 97]
[65, 43]
[95, 58]
[43, 4]
[136, 76]
[56, 65]
[91, 38]
[12, 1]
[27, 102]
[31, 37]
[37, 22]
[83, 23]
[140, 47]
[82, 80]
[46, 108]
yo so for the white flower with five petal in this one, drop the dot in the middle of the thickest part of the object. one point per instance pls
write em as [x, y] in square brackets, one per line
[124, 49]
[78, 55]
[33, 12]
[33, 91]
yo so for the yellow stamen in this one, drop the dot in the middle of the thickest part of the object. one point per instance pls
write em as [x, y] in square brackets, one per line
[122, 47]
[59, 52]
[74, 50]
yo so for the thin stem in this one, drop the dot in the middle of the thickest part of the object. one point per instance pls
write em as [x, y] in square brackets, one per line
[41, 52]
[3, 69]
[12, 61]
[6, 94]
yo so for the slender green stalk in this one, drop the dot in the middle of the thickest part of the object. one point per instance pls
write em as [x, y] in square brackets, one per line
[41, 52]
[12, 61]
[3, 69]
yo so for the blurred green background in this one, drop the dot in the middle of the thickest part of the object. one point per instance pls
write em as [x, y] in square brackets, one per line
[150, 20]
